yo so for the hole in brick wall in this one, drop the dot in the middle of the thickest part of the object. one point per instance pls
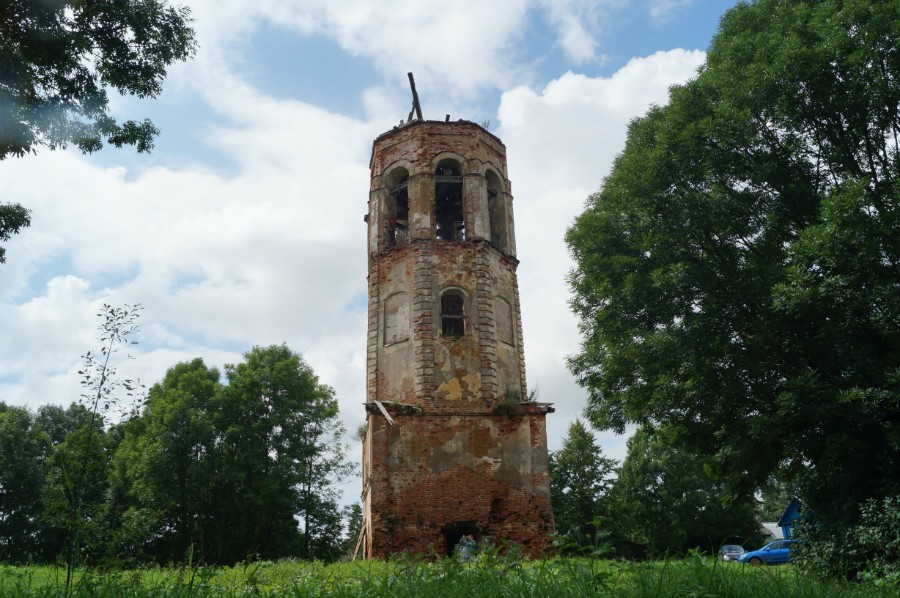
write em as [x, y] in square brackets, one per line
[454, 532]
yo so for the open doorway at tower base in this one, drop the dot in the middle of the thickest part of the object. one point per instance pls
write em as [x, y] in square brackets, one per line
[455, 532]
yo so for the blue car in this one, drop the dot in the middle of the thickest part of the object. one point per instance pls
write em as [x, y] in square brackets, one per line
[772, 553]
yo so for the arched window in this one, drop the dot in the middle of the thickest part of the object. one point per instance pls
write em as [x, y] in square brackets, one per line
[496, 211]
[453, 313]
[448, 200]
[396, 213]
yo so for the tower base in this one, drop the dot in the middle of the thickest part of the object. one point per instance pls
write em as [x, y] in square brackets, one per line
[434, 478]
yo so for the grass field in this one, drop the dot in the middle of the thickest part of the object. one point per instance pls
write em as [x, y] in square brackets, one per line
[484, 576]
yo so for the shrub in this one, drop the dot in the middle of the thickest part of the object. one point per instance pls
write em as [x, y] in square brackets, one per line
[868, 551]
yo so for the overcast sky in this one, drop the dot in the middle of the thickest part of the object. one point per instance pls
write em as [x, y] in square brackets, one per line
[244, 226]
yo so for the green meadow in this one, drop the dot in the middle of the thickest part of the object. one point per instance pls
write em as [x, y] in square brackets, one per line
[484, 576]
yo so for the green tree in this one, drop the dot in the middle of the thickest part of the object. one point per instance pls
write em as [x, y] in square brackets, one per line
[74, 495]
[56, 423]
[774, 498]
[13, 218]
[23, 446]
[230, 472]
[79, 466]
[135, 531]
[665, 499]
[580, 480]
[166, 465]
[59, 58]
[354, 517]
[280, 455]
[736, 275]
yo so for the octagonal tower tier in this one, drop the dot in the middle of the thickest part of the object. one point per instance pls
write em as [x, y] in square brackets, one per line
[452, 446]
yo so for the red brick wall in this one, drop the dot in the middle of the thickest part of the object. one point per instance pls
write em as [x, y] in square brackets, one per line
[432, 472]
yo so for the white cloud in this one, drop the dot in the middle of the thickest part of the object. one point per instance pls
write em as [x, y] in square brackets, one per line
[561, 143]
[271, 252]
[458, 47]
[578, 23]
[662, 10]
[578, 123]
[270, 247]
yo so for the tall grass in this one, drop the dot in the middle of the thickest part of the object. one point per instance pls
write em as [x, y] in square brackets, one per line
[487, 575]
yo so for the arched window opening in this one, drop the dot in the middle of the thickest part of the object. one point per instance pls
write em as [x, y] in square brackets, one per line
[453, 315]
[397, 212]
[496, 211]
[448, 197]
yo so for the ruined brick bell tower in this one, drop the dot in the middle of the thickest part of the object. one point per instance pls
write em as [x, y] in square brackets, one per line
[452, 446]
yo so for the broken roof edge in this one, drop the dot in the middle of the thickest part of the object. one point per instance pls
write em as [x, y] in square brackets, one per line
[426, 123]
[417, 122]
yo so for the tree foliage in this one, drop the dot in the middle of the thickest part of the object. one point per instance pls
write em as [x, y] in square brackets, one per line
[353, 514]
[282, 447]
[774, 497]
[580, 480]
[167, 466]
[22, 447]
[666, 500]
[202, 471]
[13, 218]
[59, 57]
[231, 471]
[34, 512]
[78, 467]
[868, 551]
[737, 275]
[73, 497]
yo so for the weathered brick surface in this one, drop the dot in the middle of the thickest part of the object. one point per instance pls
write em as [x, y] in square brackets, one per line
[458, 456]
[433, 472]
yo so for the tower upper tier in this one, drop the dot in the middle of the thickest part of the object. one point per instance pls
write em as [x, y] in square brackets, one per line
[439, 180]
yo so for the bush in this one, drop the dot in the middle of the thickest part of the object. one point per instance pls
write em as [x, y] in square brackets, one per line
[868, 551]
[878, 540]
